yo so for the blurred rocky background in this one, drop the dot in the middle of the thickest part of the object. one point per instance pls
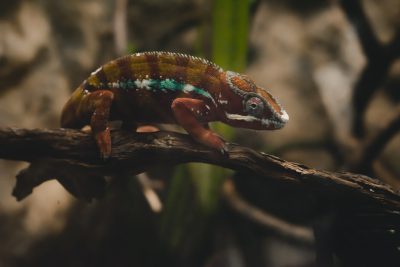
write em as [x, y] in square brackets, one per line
[310, 54]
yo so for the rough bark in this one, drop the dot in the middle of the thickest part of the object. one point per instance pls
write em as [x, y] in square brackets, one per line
[359, 216]
[134, 153]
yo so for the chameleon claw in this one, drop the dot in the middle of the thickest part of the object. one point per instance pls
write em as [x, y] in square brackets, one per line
[224, 151]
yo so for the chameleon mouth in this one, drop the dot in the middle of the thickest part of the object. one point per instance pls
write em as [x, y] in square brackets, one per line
[277, 124]
[278, 121]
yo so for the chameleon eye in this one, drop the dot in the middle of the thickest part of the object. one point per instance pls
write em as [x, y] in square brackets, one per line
[254, 106]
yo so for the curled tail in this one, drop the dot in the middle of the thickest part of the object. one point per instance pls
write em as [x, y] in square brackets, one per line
[71, 115]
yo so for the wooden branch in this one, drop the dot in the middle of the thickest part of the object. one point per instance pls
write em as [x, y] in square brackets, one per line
[365, 212]
[135, 153]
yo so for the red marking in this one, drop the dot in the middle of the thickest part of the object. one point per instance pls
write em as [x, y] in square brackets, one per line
[180, 71]
[205, 81]
[124, 66]
[152, 60]
[243, 84]
[211, 70]
[101, 104]
[186, 114]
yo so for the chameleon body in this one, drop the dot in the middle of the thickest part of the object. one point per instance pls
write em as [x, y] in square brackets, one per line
[164, 87]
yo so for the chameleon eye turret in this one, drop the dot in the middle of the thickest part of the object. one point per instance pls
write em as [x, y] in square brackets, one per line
[254, 106]
[164, 87]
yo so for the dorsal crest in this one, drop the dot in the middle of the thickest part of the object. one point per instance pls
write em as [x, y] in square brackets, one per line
[199, 60]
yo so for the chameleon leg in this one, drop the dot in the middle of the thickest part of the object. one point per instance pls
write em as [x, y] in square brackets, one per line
[100, 104]
[191, 115]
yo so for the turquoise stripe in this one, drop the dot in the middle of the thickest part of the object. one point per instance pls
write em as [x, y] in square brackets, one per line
[169, 85]
[164, 85]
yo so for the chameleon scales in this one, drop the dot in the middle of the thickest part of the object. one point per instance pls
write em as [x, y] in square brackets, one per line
[165, 87]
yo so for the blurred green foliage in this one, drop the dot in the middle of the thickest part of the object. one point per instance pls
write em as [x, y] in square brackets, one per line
[230, 23]
[177, 209]
[230, 33]
[194, 192]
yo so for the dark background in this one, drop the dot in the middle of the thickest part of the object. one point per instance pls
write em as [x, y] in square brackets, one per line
[333, 66]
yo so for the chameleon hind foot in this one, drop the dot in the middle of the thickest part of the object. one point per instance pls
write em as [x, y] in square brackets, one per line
[103, 140]
[100, 102]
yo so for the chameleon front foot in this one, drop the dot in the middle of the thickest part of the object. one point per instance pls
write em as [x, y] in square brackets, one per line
[214, 141]
[191, 114]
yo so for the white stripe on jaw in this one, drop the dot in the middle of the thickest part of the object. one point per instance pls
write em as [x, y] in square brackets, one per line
[266, 122]
[238, 117]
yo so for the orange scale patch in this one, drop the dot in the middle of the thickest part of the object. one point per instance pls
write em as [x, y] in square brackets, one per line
[138, 58]
[112, 71]
[92, 80]
[140, 70]
[167, 59]
[166, 70]
[195, 64]
[243, 84]
[270, 100]
[194, 75]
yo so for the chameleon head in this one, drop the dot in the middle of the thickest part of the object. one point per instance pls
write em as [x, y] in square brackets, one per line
[259, 110]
